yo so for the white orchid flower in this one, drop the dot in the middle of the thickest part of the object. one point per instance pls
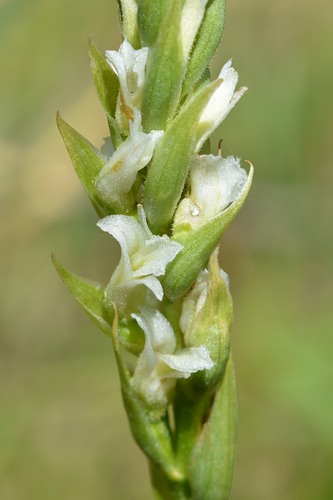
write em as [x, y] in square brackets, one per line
[221, 102]
[117, 177]
[158, 366]
[144, 257]
[192, 15]
[129, 65]
[215, 183]
[195, 300]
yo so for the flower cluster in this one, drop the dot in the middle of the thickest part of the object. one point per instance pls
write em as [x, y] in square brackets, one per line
[167, 204]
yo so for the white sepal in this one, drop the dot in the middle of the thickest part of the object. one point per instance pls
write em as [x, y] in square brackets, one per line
[215, 183]
[221, 102]
[117, 177]
[129, 65]
[158, 366]
[144, 257]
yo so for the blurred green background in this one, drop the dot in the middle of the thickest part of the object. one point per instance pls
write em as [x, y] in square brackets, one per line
[63, 431]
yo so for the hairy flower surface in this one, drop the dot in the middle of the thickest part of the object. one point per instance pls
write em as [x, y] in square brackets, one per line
[192, 15]
[144, 257]
[118, 176]
[222, 101]
[215, 183]
[158, 366]
[129, 65]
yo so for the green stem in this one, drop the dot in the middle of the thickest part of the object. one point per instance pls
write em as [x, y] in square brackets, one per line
[190, 409]
[166, 489]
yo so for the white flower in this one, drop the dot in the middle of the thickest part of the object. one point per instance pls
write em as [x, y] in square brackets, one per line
[144, 257]
[129, 65]
[195, 300]
[118, 175]
[158, 367]
[215, 183]
[221, 102]
[192, 15]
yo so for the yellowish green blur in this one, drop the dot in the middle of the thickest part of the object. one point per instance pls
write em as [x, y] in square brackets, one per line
[63, 431]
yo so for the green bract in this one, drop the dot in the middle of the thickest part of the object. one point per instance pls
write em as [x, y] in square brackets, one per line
[168, 171]
[198, 245]
[167, 201]
[165, 69]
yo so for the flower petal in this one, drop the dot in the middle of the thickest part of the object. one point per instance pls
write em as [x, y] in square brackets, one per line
[215, 182]
[190, 360]
[129, 65]
[118, 175]
[221, 102]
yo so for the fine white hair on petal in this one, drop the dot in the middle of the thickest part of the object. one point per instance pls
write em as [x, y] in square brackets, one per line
[192, 15]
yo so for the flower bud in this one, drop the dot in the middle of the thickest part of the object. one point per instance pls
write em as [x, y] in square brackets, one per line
[206, 319]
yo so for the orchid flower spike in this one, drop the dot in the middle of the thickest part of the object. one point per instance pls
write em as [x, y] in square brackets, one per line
[144, 257]
[215, 183]
[221, 102]
[158, 366]
[129, 65]
[117, 177]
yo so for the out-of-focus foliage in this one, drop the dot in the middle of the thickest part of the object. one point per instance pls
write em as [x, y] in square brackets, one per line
[63, 432]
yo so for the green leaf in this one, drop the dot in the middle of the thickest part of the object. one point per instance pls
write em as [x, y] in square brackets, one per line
[89, 295]
[206, 43]
[165, 68]
[168, 172]
[150, 17]
[106, 81]
[198, 245]
[211, 462]
[87, 162]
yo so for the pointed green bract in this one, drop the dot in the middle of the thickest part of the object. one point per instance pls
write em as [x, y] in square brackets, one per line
[106, 81]
[165, 68]
[211, 462]
[150, 17]
[167, 174]
[128, 10]
[211, 327]
[206, 43]
[198, 245]
[89, 295]
[87, 162]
